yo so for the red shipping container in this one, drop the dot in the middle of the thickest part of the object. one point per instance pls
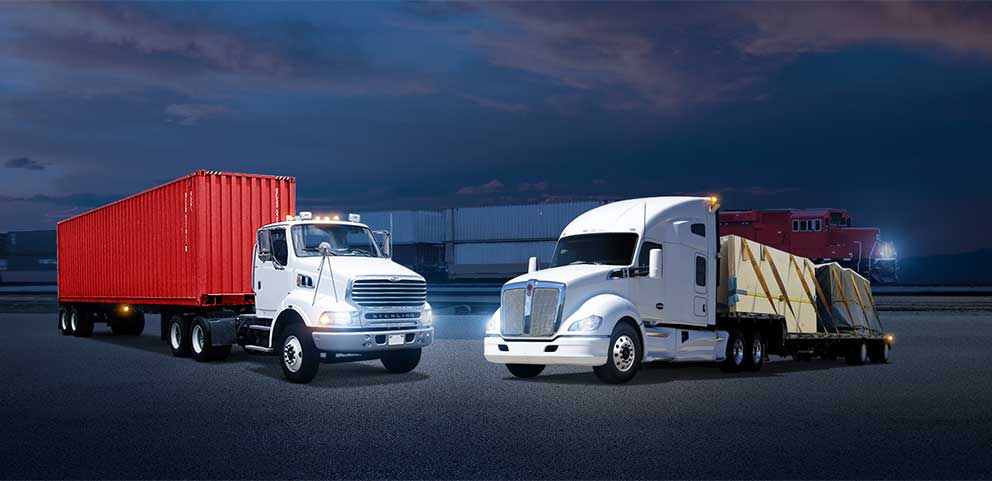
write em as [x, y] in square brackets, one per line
[188, 242]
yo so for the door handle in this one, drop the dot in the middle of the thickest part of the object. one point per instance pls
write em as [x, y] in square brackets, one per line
[259, 285]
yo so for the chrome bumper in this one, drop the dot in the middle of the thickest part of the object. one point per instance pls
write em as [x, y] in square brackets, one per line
[371, 341]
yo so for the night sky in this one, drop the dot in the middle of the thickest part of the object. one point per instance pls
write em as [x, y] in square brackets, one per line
[883, 109]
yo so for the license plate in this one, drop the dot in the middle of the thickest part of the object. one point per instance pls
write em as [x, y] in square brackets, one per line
[396, 339]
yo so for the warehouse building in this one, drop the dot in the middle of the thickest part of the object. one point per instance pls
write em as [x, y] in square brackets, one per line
[476, 243]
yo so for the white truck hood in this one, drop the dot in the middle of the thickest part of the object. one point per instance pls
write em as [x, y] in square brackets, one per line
[582, 281]
[346, 268]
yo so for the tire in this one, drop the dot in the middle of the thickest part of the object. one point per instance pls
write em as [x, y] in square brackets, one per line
[401, 361]
[754, 351]
[200, 343]
[132, 325]
[736, 352]
[64, 321]
[178, 336]
[525, 371]
[80, 323]
[623, 356]
[879, 352]
[298, 355]
[857, 354]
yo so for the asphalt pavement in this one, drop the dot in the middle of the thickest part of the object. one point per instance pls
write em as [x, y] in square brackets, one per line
[117, 407]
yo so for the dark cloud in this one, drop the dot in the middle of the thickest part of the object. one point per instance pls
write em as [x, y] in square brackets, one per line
[191, 114]
[24, 163]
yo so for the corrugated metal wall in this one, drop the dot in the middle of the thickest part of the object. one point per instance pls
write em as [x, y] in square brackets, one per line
[516, 222]
[411, 226]
[172, 244]
[504, 252]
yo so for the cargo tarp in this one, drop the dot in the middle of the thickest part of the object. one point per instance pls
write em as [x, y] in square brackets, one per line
[764, 280]
[848, 296]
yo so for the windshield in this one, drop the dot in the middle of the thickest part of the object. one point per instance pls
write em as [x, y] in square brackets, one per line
[345, 240]
[608, 249]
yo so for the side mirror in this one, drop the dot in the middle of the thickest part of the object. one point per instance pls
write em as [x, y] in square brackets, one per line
[654, 264]
[532, 265]
[325, 249]
[387, 243]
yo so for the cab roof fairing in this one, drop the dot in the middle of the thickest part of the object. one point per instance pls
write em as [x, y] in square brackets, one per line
[632, 215]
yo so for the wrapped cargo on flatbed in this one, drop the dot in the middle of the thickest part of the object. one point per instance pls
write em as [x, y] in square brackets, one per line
[851, 305]
[764, 280]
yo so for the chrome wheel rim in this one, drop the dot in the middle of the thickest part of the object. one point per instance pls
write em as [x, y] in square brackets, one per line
[864, 352]
[292, 354]
[197, 339]
[738, 351]
[74, 321]
[175, 335]
[63, 322]
[757, 351]
[624, 353]
[885, 352]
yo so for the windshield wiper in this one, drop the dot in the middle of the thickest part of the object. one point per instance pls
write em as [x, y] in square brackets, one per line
[575, 263]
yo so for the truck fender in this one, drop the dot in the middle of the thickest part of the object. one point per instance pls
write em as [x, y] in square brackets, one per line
[280, 320]
[611, 307]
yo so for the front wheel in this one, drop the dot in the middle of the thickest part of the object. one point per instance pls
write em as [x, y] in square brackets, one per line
[623, 357]
[401, 361]
[525, 371]
[300, 359]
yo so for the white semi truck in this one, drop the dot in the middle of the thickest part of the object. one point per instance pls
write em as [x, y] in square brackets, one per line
[637, 280]
[224, 259]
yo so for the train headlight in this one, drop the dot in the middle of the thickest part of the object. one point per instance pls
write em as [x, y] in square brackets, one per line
[887, 250]
[586, 324]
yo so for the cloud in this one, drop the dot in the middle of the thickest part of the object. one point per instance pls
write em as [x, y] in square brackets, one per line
[26, 163]
[488, 188]
[532, 186]
[492, 104]
[191, 114]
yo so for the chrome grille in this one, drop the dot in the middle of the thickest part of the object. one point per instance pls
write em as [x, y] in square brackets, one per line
[512, 312]
[387, 293]
[544, 312]
[536, 316]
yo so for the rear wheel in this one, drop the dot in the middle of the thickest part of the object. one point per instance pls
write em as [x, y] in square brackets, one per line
[857, 354]
[879, 352]
[754, 351]
[200, 343]
[64, 321]
[179, 338]
[623, 358]
[400, 361]
[299, 356]
[736, 352]
[80, 323]
[525, 370]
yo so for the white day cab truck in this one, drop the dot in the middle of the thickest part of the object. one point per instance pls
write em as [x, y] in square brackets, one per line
[224, 259]
[651, 279]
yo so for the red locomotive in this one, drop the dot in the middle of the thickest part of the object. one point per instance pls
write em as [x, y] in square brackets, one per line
[823, 235]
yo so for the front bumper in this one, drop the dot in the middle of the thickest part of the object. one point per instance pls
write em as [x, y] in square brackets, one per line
[353, 342]
[586, 350]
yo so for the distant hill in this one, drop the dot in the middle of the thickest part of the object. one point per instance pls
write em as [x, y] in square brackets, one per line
[966, 269]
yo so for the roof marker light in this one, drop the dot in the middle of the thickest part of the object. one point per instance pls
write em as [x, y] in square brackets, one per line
[289, 217]
[337, 217]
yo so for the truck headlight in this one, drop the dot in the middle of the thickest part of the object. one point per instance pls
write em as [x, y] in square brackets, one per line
[586, 324]
[493, 324]
[427, 318]
[339, 318]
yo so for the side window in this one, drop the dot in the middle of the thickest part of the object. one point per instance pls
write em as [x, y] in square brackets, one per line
[280, 250]
[699, 229]
[701, 271]
[264, 247]
[645, 258]
[816, 225]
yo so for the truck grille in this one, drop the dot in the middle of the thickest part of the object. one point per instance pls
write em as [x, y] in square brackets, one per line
[544, 309]
[387, 293]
